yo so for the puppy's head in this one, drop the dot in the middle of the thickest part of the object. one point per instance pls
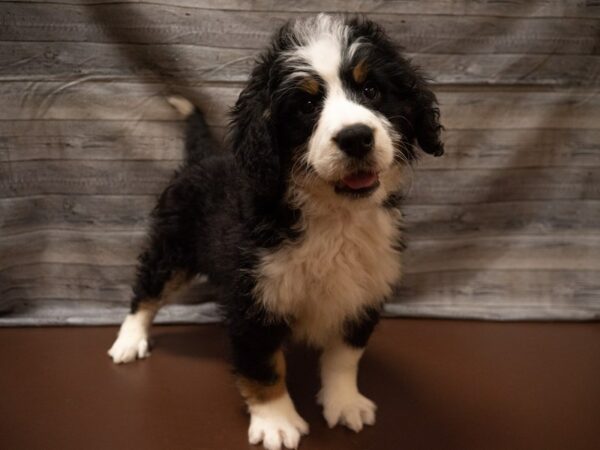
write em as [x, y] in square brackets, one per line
[332, 109]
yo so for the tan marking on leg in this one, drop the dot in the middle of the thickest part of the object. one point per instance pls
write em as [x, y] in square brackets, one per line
[256, 392]
[133, 339]
[176, 282]
[359, 73]
[149, 307]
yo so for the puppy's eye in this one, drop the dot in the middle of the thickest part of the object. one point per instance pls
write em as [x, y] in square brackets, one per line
[308, 106]
[370, 91]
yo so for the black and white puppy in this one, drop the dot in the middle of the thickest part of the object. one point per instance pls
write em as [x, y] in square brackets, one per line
[300, 223]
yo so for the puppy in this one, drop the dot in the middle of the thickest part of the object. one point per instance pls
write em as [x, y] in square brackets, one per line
[299, 224]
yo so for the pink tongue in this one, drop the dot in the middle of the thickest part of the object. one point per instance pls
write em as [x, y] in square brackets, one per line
[360, 180]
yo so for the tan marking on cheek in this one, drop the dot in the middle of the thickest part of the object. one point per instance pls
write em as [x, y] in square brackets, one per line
[310, 85]
[256, 392]
[360, 71]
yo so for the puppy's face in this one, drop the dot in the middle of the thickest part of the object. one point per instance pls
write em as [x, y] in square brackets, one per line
[344, 108]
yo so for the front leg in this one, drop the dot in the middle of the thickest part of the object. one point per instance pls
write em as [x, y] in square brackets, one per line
[339, 395]
[259, 364]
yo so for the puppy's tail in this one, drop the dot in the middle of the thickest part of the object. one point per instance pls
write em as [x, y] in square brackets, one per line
[199, 143]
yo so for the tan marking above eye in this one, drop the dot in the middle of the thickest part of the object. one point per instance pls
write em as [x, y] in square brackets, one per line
[310, 85]
[359, 73]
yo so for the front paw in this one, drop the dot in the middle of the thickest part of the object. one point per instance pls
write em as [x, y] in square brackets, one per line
[351, 409]
[132, 342]
[128, 348]
[276, 423]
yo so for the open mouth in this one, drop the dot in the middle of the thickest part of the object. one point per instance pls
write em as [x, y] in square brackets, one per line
[360, 184]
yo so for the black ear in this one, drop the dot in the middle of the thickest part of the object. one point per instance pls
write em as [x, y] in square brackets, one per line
[407, 79]
[427, 125]
[251, 135]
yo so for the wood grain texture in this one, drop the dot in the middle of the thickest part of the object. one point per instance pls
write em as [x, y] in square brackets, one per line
[193, 64]
[429, 186]
[504, 252]
[462, 108]
[157, 23]
[23, 140]
[130, 213]
[84, 177]
[514, 8]
[503, 218]
[146, 140]
[507, 287]
[485, 186]
[504, 226]
[58, 312]
[75, 212]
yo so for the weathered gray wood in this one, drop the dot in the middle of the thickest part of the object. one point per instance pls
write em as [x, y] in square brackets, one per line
[491, 294]
[82, 247]
[517, 148]
[75, 212]
[125, 213]
[505, 253]
[163, 140]
[85, 284]
[66, 313]
[462, 108]
[71, 247]
[128, 23]
[85, 177]
[504, 287]
[486, 186]
[192, 64]
[465, 253]
[501, 294]
[505, 226]
[48, 61]
[518, 109]
[528, 8]
[23, 140]
[429, 187]
[90, 100]
[78, 273]
[516, 218]
[61, 312]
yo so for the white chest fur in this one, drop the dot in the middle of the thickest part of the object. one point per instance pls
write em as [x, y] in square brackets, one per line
[344, 261]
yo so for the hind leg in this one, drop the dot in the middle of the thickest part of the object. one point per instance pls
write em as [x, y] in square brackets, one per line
[155, 284]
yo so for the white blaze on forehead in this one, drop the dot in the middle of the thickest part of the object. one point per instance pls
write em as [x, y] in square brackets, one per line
[325, 57]
[322, 42]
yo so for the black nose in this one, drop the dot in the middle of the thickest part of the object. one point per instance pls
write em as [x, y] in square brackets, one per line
[355, 140]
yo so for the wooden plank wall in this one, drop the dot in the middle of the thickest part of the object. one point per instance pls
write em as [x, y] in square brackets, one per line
[505, 226]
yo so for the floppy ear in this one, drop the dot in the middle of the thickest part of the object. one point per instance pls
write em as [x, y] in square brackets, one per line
[425, 112]
[252, 138]
[427, 125]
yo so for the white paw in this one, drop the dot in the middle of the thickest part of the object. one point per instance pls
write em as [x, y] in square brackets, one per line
[353, 410]
[131, 343]
[126, 349]
[276, 423]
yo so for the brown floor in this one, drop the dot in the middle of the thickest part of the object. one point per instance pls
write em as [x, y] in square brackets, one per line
[439, 385]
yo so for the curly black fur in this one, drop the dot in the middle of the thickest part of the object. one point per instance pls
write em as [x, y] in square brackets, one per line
[224, 207]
